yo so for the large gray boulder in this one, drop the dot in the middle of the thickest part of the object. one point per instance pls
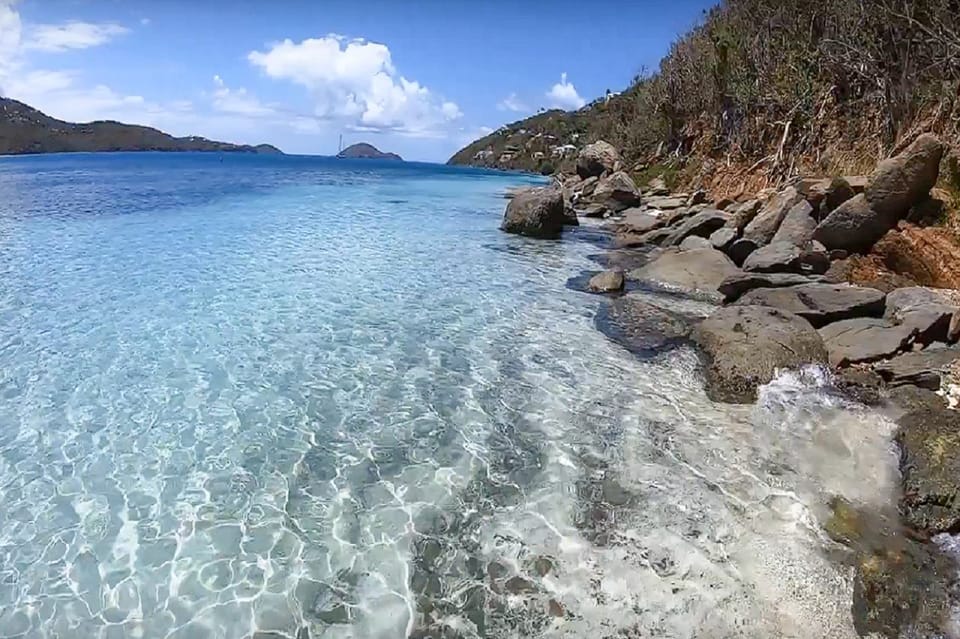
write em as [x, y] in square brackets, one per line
[536, 213]
[892, 189]
[900, 182]
[777, 257]
[735, 286]
[745, 346]
[695, 271]
[617, 192]
[854, 226]
[797, 226]
[818, 303]
[864, 339]
[702, 224]
[929, 440]
[596, 159]
[765, 225]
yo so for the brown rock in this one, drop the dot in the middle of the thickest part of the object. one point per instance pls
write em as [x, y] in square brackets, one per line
[606, 282]
[928, 256]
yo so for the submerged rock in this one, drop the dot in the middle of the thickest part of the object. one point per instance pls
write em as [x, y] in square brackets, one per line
[536, 213]
[819, 303]
[641, 327]
[745, 346]
[903, 589]
[929, 440]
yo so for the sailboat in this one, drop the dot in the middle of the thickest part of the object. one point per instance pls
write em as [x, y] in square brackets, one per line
[340, 147]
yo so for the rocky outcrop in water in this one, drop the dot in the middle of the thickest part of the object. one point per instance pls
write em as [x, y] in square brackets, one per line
[745, 346]
[539, 213]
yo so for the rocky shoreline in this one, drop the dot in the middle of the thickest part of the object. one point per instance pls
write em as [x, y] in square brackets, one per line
[850, 274]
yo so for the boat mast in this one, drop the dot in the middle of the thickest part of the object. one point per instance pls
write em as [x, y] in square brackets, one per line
[340, 148]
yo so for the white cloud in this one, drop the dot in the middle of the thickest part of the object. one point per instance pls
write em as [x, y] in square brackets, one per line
[563, 95]
[55, 38]
[355, 81]
[512, 103]
[237, 101]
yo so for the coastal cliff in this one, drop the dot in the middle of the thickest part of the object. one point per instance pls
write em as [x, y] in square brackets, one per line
[25, 130]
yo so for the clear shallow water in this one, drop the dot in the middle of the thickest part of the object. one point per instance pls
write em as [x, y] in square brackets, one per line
[328, 399]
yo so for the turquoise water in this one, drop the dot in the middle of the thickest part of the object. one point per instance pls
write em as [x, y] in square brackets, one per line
[298, 397]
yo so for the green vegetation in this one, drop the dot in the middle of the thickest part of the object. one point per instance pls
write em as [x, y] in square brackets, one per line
[773, 87]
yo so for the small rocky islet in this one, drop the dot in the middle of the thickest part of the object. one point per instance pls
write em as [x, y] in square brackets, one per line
[851, 274]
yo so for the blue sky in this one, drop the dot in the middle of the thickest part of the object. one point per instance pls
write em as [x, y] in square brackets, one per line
[418, 78]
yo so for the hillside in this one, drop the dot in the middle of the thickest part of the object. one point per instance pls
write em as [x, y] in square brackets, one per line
[763, 91]
[24, 129]
[366, 151]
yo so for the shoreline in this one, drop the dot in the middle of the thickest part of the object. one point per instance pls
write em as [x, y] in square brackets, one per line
[786, 303]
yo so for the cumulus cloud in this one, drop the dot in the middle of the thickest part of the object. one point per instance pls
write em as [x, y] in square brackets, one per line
[512, 103]
[237, 101]
[356, 81]
[56, 38]
[563, 95]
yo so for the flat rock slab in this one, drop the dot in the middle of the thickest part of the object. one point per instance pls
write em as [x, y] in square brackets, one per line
[637, 221]
[745, 347]
[921, 368]
[642, 328]
[665, 203]
[735, 286]
[819, 303]
[698, 270]
[929, 440]
[702, 224]
[933, 312]
[777, 257]
[864, 339]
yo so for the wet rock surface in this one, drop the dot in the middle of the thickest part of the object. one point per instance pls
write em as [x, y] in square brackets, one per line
[642, 327]
[929, 440]
[746, 345]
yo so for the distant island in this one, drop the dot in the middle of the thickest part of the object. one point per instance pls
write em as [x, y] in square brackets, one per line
[366, 151]
[25, 130]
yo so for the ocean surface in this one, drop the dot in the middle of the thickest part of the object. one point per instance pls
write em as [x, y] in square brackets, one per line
[299, 397]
